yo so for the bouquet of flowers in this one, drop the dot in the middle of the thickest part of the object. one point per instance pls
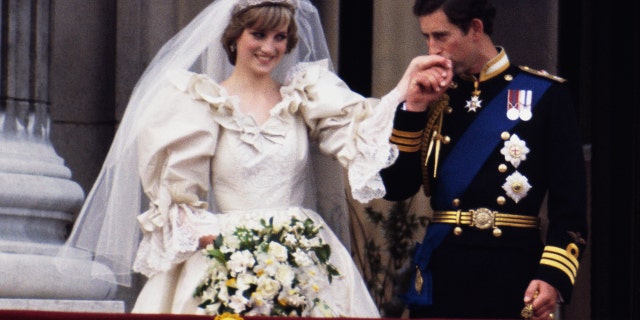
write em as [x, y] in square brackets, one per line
[267, 268]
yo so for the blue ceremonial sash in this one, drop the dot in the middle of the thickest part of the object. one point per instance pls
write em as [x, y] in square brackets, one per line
[457, 172]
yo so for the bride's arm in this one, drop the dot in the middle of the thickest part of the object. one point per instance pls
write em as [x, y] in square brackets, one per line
[175, 150]
[352, 128]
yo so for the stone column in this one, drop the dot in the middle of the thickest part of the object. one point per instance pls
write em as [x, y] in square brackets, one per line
[38, 199]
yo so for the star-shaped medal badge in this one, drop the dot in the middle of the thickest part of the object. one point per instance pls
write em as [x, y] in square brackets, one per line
[474, 104]
[517, 186]
[515, 150]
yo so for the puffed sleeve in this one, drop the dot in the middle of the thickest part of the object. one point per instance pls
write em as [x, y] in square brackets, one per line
[352, 128]
[174, 151]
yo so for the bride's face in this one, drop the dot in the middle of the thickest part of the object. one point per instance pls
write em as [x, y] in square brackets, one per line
[261, 51]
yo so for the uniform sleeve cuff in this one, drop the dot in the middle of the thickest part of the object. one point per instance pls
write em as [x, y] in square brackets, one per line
[407, 129]
[409, 120]
[559, 267]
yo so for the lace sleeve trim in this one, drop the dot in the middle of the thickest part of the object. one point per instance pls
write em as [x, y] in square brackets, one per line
[171, 236]
[372, 120]
[375, 151]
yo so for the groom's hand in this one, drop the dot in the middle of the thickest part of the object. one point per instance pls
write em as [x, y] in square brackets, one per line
[425, 80]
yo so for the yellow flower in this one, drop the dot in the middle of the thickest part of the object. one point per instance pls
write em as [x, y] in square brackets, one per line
[228, 316]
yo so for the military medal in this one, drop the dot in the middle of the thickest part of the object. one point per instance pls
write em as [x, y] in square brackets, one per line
[512, 105]
[519, 104]
[525, 105]
[475, 103]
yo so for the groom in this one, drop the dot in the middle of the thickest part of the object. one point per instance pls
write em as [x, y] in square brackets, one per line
[488, 147]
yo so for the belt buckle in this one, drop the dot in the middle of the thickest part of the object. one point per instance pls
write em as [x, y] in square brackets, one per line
[482, 218]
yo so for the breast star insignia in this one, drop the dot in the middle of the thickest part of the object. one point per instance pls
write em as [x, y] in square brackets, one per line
[474, 104]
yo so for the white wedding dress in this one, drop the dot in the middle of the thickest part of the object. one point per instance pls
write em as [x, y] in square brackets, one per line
[197, 139]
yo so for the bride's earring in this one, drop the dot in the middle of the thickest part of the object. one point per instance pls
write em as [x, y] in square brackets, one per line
[232, 48]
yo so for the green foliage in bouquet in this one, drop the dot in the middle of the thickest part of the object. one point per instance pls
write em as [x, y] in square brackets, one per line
[267, 268]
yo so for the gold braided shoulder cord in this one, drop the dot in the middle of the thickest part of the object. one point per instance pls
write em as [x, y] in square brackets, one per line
[432, 135]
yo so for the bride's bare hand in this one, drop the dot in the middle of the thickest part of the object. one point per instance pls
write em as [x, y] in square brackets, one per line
[204, 241]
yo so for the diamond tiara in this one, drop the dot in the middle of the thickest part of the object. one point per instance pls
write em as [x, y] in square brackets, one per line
[244, 4]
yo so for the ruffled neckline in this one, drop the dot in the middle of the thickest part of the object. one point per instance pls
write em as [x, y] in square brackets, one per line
[297, 91]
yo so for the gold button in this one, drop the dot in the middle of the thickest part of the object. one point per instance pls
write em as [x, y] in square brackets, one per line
[502, 168]
[446, 139]
[508, 77]
[501, 200]
[505, 135]
[457, 231]
[516, 187]
[456, 202]
[497, 232]
[449, 110]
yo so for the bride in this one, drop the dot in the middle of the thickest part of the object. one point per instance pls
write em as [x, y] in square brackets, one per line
[221, 131]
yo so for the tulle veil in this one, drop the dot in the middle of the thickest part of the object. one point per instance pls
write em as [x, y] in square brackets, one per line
[106, 230]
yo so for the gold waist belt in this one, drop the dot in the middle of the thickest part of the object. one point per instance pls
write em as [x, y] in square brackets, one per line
[483, 218]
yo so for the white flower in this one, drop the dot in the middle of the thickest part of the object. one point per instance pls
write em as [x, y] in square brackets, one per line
[282, 221]
[284, 274]
[278, 251]
[308, 243]
[240, 261]
[517, 186]
[261, 305]
[238, 302]
[262, 270]
[515, 150]
[290, 240]
[231, 243]
[223, 294]
[267, 288]
[302, 259]
[292, 297]
[266, 264]
[245, 280]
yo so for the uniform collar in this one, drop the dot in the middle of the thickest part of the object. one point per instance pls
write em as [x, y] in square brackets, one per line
[493, 67]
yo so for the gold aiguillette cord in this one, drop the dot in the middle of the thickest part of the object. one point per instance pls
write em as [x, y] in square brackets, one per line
[436, 138]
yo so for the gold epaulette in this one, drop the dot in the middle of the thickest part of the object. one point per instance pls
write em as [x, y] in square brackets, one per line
[542, 73]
